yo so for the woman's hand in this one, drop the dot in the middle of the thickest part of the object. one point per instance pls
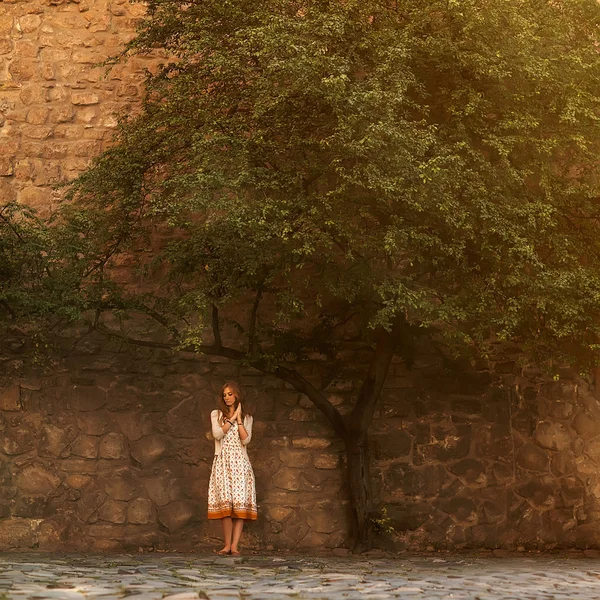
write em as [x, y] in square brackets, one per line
[238, 413]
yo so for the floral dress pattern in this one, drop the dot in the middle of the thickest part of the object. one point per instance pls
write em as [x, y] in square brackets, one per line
[231, 489]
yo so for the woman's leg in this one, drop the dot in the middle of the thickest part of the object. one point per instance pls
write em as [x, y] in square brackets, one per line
[227, 531]
[238, 526]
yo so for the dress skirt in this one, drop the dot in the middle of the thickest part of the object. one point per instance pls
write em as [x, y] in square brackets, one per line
[231, 489]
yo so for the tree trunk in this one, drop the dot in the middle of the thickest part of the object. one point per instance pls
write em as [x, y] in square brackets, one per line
[360, 490]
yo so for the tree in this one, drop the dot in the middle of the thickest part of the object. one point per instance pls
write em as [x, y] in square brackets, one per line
[318, 173]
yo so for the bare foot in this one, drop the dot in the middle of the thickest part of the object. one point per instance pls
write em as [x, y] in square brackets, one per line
[234, 552]
[223, 551]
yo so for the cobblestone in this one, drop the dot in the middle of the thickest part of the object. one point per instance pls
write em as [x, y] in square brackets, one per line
[194, 577]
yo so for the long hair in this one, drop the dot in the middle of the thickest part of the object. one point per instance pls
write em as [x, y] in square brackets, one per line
[237, 392]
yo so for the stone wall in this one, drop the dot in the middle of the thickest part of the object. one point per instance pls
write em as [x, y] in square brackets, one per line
[109, 449]
[57, 109]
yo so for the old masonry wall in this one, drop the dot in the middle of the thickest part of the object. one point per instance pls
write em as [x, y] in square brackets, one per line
[108, 449]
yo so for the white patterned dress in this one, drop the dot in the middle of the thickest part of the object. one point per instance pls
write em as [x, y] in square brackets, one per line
[231, 489]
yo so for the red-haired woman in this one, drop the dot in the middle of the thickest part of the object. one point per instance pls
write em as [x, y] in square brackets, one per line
[231, 490]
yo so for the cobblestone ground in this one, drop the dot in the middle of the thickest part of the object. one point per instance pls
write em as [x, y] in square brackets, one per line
[192, 577]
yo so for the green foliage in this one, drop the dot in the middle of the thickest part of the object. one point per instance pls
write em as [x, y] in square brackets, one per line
[382, 523]
[342, 163]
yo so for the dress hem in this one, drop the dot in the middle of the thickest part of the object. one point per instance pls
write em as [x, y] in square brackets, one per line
[234, 514]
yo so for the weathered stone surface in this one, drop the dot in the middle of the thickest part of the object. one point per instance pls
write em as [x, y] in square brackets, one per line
[326, 461]
[294, 458]
[121, 485]
[113, 511]
[184, 419]
[113, 446]
[586, 424]
[16, 440]
[471, 471]
[150, 450]
[85, 446]
[134, 425]
[161, 490]
[392, 444]
[77, 481]
[56, 440]
[460, 509]
[279, 513]
[18, 533]
[533, 458]
[92, 498]
[141, 511]
[322, 521]
[87, 398]
[36, 480]
[311, 443]
[288, 479]
[10, 398]
[538, 492]
[553, 436]
[177, 515]
[560, 410]
[94, 423]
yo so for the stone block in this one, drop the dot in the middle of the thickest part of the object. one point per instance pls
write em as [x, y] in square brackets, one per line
[326, 461]
[295, 458]
[36, 480]
[37, 115]
[322, 521]
[113, 446]
[18, 534]
[177, 515]
[460, 509]
[587, 424]
[22, 70]
[162, 490]
[84, 98]
[85, 446]
[29, 23]
[311, 443]
[10, 398]
[6, 45]
[279, 513]
[94, 423]
[31, 507]
[121, 485]
[113, 511]
[90, 502]
[87, 398]
[471, 471]
[17, 440]
[78, 482]
[6, 166]
[391, 444]
[288, 479]
[134, 425]
[185, 421]
[533, 458]
[553, 436]
[538, 492]
[79, 465]
[141, 512]
[56, 439]
[150, 449]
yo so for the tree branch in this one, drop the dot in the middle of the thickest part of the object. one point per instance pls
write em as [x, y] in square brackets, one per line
[8, 308]
[215, 327]
[364, 409]
[252, 326]
[299, 383]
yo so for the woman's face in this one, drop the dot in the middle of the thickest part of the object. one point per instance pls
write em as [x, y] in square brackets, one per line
[228, 396]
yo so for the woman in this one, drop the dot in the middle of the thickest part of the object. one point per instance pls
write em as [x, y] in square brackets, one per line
[231, 490]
